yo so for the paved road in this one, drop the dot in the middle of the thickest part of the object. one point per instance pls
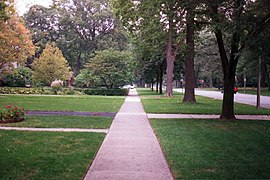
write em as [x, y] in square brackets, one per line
[240, 98]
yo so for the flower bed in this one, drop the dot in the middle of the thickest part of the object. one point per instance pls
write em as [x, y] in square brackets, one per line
[11, 114]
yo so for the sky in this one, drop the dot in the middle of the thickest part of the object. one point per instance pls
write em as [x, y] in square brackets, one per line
[22, 6]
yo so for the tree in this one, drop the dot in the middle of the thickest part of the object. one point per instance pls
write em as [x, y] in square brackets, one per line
[20, 77]
[207, 61]
[50, 66]
[189, 95]
[79, 28]
[16, 44]
[231, 22]
[157, 19]
[111, 67]
[85, 79]
[3, 14]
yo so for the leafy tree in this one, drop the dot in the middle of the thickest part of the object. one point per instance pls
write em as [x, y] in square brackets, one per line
[16, 44]
[20, 77]
[51, 65]
[160, 23]
[231, 22]
[85, 79]
[111, 67]
[3, 6]
[207, 61]
[43, 26]
[79, 28]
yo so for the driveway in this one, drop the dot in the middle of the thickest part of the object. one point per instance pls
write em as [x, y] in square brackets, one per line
[239, 98]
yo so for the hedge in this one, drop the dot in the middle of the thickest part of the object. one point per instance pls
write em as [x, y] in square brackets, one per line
[64, 91]
[106, 92]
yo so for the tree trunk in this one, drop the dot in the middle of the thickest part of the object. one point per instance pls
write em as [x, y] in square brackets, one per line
[170, 58]
[268, 77]
[160, 78]
[157, 77]
[152, 84]
[228, 99]
[211, 80]
[258, 104]
[78, 65]
[189, 95]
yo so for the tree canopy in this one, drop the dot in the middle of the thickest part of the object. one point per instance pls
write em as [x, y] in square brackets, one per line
[50, 66]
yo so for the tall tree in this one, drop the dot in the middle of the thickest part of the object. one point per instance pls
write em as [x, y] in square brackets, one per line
[230, 20]
[207, 61]
[145, 16]
[16, 44]
[189, 95]
[111, 67]
[3, 6]
[78, 27]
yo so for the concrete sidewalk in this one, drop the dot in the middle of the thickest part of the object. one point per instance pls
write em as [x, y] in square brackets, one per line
[130, 149]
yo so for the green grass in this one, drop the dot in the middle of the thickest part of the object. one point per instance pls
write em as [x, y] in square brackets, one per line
[264, 91]
[47, 155]
[64, 103]
[63, 122]
[212, 149]
[154, 103]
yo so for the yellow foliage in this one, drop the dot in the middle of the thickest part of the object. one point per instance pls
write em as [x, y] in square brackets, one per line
[51, 65]
[15, 42]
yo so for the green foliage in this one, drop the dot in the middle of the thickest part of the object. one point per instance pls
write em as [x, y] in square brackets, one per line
[3, 14]
[10, 113]
[112, 68]
[51, 65]
[85, 79]
[20, 77]
[44, 90]
[79, 30]
[106, 92]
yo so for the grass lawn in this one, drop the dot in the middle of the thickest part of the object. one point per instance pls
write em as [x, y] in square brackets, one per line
[47, 155]
[212, 149]
[264, 91]
[154, 103]
[85, 122]
[64, 103]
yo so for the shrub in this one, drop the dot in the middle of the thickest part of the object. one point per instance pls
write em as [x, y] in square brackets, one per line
[56, 86]
[10, 113]
[20, 77]
[106, 92]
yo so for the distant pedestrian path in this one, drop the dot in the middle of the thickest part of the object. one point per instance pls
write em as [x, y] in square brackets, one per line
[239, 97]
[130, 149]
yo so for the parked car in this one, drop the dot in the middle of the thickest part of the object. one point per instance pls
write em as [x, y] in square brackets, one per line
[128, 86]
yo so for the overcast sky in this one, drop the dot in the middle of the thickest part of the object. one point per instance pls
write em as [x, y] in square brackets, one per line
[22, 6]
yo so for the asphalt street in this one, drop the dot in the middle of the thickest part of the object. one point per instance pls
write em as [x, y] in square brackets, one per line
[238, 97]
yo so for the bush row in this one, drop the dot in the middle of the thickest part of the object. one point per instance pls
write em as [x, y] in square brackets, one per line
[64, 91]
[106, 92]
